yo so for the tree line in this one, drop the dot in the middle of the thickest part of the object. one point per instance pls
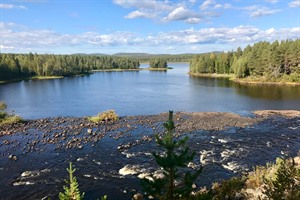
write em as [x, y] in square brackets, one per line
[14, 66]
[158, 63]
[270, 60]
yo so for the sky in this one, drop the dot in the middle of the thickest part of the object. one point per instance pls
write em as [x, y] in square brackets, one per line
[143, 26]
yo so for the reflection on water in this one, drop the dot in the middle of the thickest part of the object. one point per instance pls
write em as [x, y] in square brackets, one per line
[142, 92]
[272, 92]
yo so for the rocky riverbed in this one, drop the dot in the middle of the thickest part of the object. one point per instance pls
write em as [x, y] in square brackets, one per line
[110, 157]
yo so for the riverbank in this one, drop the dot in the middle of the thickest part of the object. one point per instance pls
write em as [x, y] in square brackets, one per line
[139, 69]
[226, 144]
[247, 80]
[32, 78]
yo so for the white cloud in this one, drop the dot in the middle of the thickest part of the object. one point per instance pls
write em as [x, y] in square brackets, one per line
[16, 38]
[272, 1]
[262, 12]
[183, 14]
[294, 4]
[225, 6]
[11, 6]
[193, 20]
[32, 1]
[144, 4]
[139, 14]
[206, 4]
[74, 15]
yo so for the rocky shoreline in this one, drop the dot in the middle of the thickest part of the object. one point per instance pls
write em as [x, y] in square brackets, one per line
[71, 132]
[34, 154]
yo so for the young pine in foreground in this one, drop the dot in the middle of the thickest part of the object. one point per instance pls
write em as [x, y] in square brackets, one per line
[72, 192]
[177, 182]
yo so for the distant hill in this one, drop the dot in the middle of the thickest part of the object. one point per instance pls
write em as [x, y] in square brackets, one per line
[145, 57]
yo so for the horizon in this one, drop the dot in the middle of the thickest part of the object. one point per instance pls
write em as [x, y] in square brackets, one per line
[144, 26]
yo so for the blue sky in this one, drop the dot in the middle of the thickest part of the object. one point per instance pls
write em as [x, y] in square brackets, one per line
[148, 26]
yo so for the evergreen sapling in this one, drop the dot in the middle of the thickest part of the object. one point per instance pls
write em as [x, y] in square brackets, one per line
[177, 182]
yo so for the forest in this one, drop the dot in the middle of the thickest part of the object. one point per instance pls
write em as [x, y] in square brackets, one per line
[158, 63]
[275, 61]
[279, 60]
[18, 66]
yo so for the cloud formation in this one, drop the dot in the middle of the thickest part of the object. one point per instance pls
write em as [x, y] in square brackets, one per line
[19, 39]
[294, 4]
[206, 4]
[183, 14]
[272, 1]
[11, 6]
[262, 12]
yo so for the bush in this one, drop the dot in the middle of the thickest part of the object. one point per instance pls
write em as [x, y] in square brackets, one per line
[6, 118]
[256, 178]
[106, 116]
[228, 189]
[3, 106]
[286, 184]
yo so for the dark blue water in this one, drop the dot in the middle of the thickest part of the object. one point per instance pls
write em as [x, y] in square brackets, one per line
[142, 92]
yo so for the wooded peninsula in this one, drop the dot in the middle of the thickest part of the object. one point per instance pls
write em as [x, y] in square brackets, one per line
[263, 62]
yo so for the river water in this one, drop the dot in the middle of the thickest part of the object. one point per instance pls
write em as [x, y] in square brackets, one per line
[141, 93]
[39, 172]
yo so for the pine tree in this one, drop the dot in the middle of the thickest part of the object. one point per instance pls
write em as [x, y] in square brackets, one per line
[177, 182]
[72, 192]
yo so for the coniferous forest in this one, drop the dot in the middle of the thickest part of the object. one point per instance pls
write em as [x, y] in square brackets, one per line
[15, 66]
[273, 61]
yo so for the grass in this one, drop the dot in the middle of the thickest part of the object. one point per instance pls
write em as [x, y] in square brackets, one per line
[158, 69]
[106, 116]
[212, 75]
[45, 77]
[11, 119]
[114, 70]
[124, 70]
[30, 78]
[293, 79]
[6, 118]
[266, 81]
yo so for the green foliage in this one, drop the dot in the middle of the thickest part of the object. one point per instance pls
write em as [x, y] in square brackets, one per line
[277, 61]
[14, 66]
[228, 188]
[3, 106]
[6, 118]
[158, 63]
[106, 116]
[72, 192]
[286, 184]
[177, 181]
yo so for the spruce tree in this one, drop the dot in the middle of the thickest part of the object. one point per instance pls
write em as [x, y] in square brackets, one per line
[178, 180]
[72, 192]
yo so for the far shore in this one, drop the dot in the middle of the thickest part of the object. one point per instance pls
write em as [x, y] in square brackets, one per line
[32, 78]
[124, 70]
[245, 81]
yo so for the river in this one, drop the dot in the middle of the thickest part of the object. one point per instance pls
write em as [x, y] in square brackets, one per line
[141, 93]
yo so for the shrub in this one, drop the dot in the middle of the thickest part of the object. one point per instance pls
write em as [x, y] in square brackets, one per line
[106, 116]
[3, 106]
[228, 189]
[6, 118]
[286, 184]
